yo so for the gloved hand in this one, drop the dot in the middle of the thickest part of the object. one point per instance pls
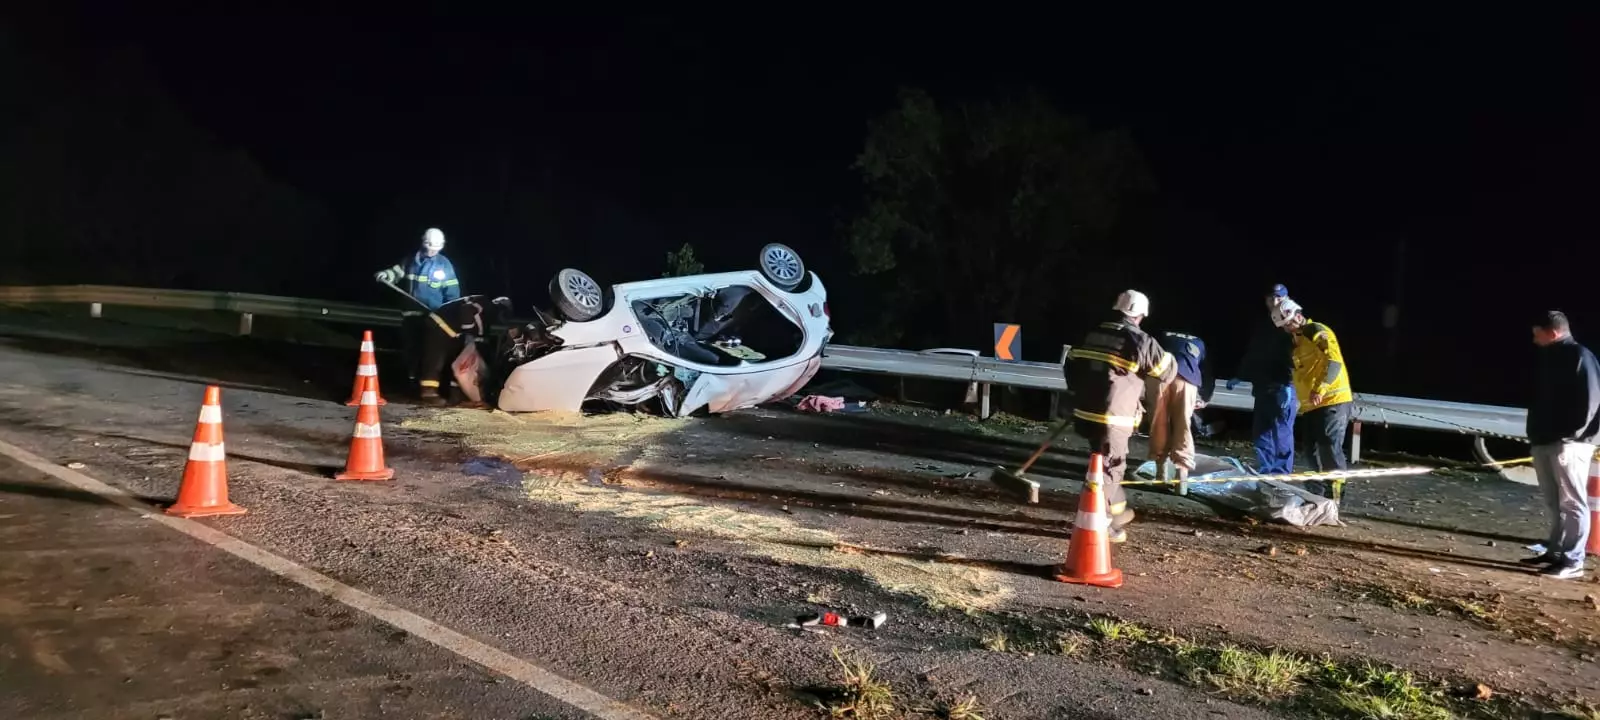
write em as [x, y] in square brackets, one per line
[387, 275]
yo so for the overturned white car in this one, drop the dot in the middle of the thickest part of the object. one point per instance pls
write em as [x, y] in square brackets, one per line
[717, 342]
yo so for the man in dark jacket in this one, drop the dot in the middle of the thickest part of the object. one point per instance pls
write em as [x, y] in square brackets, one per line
[1563, 426]
[1269, 368]
[1106, 376]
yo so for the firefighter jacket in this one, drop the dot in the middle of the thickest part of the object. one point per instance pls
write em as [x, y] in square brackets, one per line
[431, 280]
[1319, 368]
[1106, 373]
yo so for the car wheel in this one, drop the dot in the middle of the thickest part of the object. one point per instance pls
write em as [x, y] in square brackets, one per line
[576, 295]
[781, 265]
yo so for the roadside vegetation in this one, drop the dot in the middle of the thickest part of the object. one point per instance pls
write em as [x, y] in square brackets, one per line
[1296, 684]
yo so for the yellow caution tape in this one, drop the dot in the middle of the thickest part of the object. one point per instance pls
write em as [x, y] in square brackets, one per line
[1300, 477]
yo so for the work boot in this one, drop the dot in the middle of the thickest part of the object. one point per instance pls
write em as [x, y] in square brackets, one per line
[1117, 536]
[430, 396]
[1161, 471]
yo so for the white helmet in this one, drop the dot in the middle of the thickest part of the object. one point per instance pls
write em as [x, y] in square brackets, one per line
[1132, 303]
[433, 239]
[1283, 311]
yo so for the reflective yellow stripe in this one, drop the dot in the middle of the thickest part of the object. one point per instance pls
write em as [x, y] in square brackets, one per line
[452, 282]
[1161, 366]
[1107, 358]
[1110, 326]
[1117, 508]
[1112, 420]
[429, 383]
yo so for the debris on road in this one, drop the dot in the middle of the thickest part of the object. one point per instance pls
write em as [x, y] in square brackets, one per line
[871, 622]
[820, 404]
[76, 465]
[1225, 480]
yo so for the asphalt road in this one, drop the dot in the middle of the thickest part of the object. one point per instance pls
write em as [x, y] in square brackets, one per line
[107, 614]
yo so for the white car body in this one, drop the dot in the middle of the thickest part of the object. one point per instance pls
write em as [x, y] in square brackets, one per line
[571, 374]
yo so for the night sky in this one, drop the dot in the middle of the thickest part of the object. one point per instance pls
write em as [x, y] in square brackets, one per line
[1298, 148]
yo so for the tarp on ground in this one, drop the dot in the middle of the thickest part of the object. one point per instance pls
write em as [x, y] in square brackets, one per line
[1269, 500]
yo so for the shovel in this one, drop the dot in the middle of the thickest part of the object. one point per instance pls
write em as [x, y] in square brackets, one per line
[1018, 481]
[436, 319]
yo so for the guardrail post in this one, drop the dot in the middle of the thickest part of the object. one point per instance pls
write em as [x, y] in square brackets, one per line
[983, 407]
[1055, 397]
[94, 310]
[247, 322]
[1355, 442]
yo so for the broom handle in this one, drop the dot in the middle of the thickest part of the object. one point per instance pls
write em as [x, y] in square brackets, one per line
[1054, 435]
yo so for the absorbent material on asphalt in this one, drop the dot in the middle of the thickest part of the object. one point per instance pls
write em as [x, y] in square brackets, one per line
[1263, 499]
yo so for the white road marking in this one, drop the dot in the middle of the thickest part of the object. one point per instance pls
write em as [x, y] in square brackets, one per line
[499, 661]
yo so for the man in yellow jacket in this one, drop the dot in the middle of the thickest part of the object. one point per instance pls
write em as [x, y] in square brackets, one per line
[1322, 384]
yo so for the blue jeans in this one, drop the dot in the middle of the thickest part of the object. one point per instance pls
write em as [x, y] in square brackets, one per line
[1273, 428]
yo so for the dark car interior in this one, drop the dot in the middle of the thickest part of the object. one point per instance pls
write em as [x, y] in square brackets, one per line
[728, 327]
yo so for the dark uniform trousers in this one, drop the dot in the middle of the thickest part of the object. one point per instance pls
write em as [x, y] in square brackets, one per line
[1112, 443]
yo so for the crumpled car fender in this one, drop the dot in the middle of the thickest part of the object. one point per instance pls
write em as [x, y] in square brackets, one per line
[558, 381]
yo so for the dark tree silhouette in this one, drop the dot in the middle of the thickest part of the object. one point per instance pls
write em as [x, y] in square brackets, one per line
[987, 212]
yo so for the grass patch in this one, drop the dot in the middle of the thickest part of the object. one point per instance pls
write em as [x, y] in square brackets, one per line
[1380, 693]
[860, 696]
[1070, 644]
[1477, 611]
[966, 709]
[1117, 631]
[1580, 712]
[994, 642]
[1486, 610]
[1295, 684]
[1255, 675]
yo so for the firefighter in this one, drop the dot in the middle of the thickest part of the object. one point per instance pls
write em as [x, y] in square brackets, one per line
[1268, 366]
[1322, 386]
[1172, 405]
[430, 278]
[1106, 374]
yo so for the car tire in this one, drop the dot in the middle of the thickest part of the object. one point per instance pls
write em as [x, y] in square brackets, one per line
[577, 296]
[781, 266]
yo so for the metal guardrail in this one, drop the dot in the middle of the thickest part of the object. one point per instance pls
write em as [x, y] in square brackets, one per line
[242, 303]
[1376, 409]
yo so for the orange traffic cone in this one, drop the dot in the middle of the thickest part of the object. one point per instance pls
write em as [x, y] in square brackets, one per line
[204, 490]
[1593, 547]
[1089, 553]
[366, 367]
[366, 447]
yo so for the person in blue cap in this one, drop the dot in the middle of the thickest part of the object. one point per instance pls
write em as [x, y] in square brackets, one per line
[1269, 368]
